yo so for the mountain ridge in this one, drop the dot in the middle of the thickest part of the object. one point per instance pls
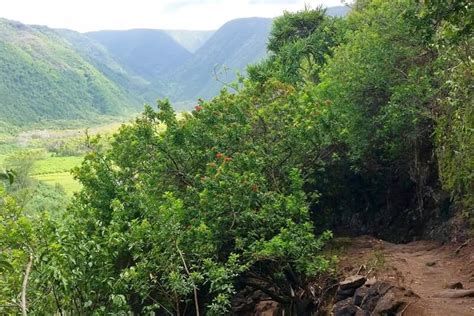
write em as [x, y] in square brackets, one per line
[58, 74]
[43, 77]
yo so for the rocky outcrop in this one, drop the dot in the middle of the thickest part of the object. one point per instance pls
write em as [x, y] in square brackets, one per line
[357, 296]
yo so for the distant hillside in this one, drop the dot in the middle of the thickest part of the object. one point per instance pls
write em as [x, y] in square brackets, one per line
[61, 75]
[191, 40]
[235, 45]
[44, 77]
[147, 53]
[100, 57]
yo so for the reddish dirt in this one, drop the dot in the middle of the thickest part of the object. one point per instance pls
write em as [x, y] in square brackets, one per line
[426, 267]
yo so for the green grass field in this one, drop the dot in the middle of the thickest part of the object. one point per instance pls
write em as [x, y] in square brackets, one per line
[48, 168]
[65, 179]
[56, 170]
[53, 164]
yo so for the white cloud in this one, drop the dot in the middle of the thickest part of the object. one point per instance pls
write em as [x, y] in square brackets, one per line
[88, 15]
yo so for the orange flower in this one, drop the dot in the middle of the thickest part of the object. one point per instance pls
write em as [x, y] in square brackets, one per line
[227, 159]
[219, 155]
[198, 108]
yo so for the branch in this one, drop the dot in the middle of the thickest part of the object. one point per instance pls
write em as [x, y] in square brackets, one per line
[25, 285]
[225, 84]
[196, 302]
[265, 287]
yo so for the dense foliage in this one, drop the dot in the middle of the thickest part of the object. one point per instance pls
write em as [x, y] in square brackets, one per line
[361, 125]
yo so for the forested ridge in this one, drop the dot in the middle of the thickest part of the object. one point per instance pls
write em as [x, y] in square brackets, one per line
[354, 125]
[58, 77]
[44, 78]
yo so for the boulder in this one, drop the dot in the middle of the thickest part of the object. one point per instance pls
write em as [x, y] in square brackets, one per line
[377, 298]
[352, 282]
[394, 301]
[345, 308]
[343, 294]
[360, 294]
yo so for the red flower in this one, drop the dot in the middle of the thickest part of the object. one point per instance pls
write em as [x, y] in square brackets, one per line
[219, 155]
[198, 108]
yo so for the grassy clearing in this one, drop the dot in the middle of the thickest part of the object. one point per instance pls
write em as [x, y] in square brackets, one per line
[56, 165]
[51, 169]
[65, 179]
[57, 170]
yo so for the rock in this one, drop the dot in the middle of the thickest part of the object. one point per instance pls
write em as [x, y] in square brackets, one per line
[393, 301]
[361, 312]
[380, 288]
[430, 263]
[369, 302]
[345, 308]
[379, 298]
[454, 285]
[352, 282]
[453, 293]
[360, 294]
[245, 301]
[387, 305]
[343, 294]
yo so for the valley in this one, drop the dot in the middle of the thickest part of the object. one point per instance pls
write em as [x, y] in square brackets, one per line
[55, 152]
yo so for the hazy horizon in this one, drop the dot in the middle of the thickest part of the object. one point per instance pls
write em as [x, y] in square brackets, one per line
[192, 15]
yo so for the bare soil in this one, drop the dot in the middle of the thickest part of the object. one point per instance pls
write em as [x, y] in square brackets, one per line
[426, 267]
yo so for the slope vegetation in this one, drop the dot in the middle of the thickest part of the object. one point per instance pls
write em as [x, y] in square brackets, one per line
[43, 77]
[235, 45]
[148, 53]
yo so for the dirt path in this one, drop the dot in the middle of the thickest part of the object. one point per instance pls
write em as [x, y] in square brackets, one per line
[425, 267]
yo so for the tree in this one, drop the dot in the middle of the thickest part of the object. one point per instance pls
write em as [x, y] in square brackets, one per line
[185, 216]
[299, 45]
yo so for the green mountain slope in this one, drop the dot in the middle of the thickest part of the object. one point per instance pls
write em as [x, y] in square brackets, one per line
[99, 56]
[49, 75]
[43, 77]
[147, 53]
[235, 45]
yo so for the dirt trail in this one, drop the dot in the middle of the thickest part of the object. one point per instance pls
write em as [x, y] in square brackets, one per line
[425, 267]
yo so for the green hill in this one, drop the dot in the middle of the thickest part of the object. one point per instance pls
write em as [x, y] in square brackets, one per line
[147, 53]
[44, 77]
[51, 77]
[235, 45]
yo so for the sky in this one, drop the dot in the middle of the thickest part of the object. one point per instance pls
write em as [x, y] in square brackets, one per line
[92, 15]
